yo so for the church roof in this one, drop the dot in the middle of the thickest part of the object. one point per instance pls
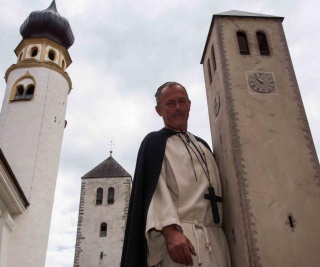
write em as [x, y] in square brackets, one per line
[50, 24]
[107, 169]
[237, 14]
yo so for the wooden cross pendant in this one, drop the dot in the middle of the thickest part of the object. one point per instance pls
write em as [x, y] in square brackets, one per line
[213, 200]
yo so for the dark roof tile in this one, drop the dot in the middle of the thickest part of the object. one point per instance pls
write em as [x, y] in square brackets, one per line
[107, 169]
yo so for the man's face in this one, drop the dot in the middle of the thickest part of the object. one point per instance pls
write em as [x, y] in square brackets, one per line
[174, 107]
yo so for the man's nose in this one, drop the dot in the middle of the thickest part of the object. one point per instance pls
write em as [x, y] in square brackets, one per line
[178, 107]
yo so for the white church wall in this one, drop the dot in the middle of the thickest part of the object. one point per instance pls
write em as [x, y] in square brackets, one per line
[6, 225]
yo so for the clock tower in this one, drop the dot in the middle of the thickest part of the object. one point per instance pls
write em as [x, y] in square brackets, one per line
[262, 142]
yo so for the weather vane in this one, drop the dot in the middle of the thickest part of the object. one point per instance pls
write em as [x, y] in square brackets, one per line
[111, 144]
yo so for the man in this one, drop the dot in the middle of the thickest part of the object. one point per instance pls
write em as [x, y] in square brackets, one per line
[172, 218]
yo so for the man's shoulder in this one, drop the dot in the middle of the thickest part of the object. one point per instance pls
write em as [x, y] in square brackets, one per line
[151, 151]
[154, 142]
[156, 136]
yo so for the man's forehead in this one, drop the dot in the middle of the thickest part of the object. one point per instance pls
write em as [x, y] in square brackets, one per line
[174, 91]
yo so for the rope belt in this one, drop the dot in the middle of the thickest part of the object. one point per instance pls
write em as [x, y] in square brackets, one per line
[195, 225]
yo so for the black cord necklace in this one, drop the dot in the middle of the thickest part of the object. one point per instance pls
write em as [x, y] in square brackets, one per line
[211, 196]
[201, 157]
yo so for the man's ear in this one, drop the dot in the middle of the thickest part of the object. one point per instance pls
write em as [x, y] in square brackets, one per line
[158, 110]
[189, 104]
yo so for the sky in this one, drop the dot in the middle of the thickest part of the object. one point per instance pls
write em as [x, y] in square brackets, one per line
[123, 51]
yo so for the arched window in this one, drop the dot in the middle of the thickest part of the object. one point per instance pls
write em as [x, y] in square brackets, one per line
[24, 88]
[29, 92]
[243, 43]
[103, 229]
[263, 44]
[111, 195]
[22, 94]
[99, 196]
[209, 71]
[19, 92]
[213, 58]
[34, 51]
[51, 55]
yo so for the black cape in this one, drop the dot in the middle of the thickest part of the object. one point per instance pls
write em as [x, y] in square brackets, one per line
[148, 167]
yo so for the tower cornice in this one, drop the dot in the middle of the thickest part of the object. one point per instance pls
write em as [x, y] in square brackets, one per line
[36, 64]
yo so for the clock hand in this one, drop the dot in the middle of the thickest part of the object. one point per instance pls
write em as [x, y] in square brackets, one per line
[259, 80]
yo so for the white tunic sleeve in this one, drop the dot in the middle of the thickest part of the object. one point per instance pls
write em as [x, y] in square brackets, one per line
[162, 212]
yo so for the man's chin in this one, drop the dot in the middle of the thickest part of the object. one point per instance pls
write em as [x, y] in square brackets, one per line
[177, 127]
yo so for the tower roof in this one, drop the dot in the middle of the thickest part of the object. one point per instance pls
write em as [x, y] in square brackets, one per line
[238, 13]
[107, 169]
[50, 24]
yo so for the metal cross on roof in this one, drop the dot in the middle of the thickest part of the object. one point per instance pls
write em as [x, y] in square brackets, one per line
[111, 144]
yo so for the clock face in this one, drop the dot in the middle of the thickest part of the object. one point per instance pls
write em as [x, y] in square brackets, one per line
[261, 82]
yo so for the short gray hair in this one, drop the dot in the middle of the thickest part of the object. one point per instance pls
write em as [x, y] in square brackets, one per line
[167, 84]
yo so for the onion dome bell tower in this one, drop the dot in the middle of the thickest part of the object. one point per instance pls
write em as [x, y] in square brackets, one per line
[32, 123]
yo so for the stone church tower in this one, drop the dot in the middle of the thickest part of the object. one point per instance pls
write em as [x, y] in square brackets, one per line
[32, 122]
[262, 142]
[104, 201]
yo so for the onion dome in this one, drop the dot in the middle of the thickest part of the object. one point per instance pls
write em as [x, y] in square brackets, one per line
[50, 24]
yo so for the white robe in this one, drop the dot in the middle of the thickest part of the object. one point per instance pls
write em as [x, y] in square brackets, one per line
[179, 199]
